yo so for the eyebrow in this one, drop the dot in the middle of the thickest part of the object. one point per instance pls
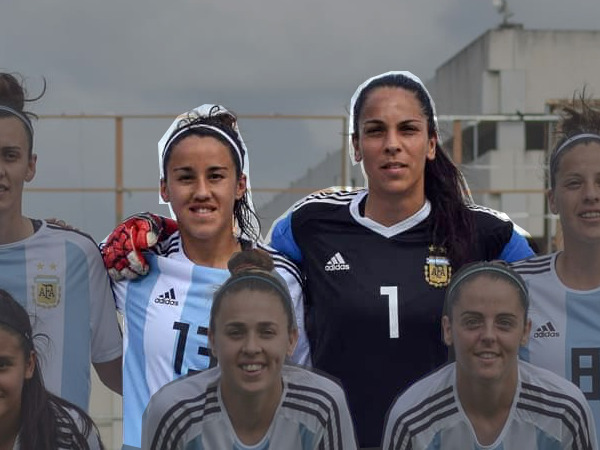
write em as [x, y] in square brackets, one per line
[242, 324]
[406, 121]
[190, 169]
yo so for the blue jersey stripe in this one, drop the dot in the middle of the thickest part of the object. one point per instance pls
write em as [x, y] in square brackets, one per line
[137, 298]
[76, 385]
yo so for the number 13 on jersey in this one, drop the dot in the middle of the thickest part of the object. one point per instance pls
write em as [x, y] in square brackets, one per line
[391, 293]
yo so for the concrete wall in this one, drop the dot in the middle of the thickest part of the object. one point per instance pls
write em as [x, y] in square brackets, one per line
[508, 71]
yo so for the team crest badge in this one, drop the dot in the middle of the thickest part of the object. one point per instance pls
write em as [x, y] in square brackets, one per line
[46, 290]
[438, 270]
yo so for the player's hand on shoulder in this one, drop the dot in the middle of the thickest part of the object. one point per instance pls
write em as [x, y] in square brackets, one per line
[122, 249]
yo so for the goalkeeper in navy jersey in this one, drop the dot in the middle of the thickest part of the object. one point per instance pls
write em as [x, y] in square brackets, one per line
[377, 261]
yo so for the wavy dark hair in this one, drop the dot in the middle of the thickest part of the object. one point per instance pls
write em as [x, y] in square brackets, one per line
[452, 226]
[14, 95]
[46, 420]
[245, 217]
[577, 118]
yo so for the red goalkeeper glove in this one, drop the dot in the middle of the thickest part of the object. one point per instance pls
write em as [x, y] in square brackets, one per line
[122, 249]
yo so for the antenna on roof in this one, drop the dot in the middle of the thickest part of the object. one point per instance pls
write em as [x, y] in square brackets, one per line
[502, 8]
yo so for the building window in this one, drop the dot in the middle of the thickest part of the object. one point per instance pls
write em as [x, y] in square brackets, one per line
[535, 135]
[478, 139]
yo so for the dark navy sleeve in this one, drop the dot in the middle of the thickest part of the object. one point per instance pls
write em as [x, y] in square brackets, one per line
[282, 238]
[516, 248]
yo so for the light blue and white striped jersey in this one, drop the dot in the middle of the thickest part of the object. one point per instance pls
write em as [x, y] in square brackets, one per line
[547, 413]
[166, 317]
[58, 276]
[190, 414]
[565, 328]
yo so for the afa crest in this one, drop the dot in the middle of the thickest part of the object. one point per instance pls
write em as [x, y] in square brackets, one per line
[438, 270]
[46, 290]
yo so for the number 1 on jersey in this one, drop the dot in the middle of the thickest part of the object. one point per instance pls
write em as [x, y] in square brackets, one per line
[392, 294]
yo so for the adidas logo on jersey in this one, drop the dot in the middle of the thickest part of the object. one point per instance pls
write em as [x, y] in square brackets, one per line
[168, 298]
[546, 330]
[336, 263]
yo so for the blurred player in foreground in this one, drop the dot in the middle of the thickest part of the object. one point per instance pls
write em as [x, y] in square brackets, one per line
[252, 400]
[488, 398]
[565, 286]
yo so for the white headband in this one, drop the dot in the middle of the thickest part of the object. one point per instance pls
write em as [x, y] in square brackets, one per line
[572, 139]
[366, 84]
[206, 110]
[22, 117]
[187, 128]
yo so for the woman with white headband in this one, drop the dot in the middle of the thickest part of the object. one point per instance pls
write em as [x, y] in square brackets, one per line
[488, 399]
[55, 273]
[377, 260]
[204, 178]
[565, 286]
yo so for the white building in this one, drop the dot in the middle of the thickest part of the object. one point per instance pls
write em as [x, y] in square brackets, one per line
[506, 71]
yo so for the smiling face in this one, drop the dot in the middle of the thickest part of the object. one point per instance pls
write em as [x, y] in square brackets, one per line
[17, 166]
[251, 339]
[202, 186]
[392, 141]
[487, 327]
[576, 194]
[14, 370]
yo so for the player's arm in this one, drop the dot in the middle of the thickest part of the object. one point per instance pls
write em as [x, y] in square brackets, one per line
[155, 421]
[111, 374]
[106, 336]
[291, 274]
[517, 248]
[122, 249]
[281, 238]
[339, 422]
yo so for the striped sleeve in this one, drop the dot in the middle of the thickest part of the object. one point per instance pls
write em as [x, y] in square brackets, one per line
[323, 399]
[405, 421]
[568, 408]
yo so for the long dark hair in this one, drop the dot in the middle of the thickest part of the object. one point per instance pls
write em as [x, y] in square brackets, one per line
[245, 217]
[451, 225]
[46, 420]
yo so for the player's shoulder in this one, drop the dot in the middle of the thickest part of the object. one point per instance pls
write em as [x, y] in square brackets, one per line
[283, 264]
[436, 385]
[187, 401]
[179, 394]
[314, 387]
[169, 246]
[534, 265]
[334, 196]
[483, 214]
[66, 234]
[424, 402]
[542, 385]
[311, 377]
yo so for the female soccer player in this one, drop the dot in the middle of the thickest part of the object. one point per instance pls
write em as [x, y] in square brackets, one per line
[203, 163]
[55, 273]
[487, 398]
[565, 286]
[31, 418]
[377, 260]
[252, 400]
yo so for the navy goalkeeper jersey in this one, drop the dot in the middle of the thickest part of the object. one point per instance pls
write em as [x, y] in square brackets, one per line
[375, 294]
